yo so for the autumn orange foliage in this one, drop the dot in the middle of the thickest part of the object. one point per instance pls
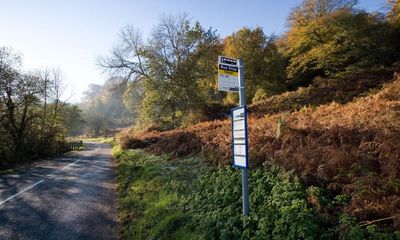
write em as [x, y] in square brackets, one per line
[349, 148]
[323, 91]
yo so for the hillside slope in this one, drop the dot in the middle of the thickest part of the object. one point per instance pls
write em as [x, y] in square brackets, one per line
[323, 91]
[350, 149]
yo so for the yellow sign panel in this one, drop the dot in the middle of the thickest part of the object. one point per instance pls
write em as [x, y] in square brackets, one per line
[227, 72]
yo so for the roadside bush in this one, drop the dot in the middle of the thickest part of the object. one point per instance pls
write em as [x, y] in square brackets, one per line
[279, 207]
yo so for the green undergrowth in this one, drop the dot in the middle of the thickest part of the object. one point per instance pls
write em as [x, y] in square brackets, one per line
[164, 198]
[151, 190]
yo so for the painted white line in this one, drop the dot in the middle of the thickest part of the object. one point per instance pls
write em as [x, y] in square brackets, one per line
[16, 195]
[69, 165]
[32, 186]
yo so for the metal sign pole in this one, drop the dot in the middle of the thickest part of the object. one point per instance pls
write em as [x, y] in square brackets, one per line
[245, 177]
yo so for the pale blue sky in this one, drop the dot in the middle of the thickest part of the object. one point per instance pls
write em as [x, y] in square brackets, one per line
[70, 34]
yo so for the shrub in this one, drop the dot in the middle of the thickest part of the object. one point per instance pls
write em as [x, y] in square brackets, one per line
[279, 207]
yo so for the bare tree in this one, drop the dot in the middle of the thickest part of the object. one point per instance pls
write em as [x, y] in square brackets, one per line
[127, 58]
[171, 66]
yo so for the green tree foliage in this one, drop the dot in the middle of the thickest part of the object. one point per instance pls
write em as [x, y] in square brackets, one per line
[175, 69]
[104, 107]
[31, 119]
[93, 109]
[19, 94]
[73, 119]
[327, 38]
[132, 98]
[265, 67]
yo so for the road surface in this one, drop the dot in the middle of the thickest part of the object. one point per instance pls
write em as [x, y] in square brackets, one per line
[69, 197]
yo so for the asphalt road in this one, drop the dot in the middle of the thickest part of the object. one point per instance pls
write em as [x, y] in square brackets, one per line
[69, 197]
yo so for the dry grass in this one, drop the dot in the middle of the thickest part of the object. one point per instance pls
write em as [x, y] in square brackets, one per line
[322, 91]
[351, 148]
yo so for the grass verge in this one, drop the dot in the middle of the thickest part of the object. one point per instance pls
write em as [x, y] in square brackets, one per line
[152, 191]
[164, 198]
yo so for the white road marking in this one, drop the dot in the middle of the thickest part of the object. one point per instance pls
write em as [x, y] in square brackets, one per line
[70, 164]
[17, 194]
[49, 175]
